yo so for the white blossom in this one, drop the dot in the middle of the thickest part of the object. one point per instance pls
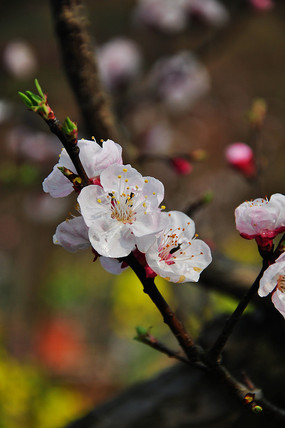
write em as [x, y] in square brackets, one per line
[94, 159]
[122, 208]
[176, 254]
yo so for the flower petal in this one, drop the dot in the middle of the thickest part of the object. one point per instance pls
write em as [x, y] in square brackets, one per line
[72, 235]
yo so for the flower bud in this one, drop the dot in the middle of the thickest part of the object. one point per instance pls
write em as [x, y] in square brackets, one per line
[240, 156]
[181, 166]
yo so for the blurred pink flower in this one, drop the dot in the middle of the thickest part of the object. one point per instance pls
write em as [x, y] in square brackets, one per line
[19, 60]
[240, 156]
[180, 80]
[262, 4]
[119, 62]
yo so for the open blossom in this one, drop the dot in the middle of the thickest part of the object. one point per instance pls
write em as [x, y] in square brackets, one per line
[261, 219]
[72, 235]
[273, 281]
[94, 159]
[123, 208]
[176, 254]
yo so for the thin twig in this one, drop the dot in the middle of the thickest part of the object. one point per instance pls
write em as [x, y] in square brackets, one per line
[161, 347]
[215, 351]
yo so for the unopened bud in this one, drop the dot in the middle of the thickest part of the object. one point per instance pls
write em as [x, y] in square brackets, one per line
[257, 409]
[181, 166]
[70, 128]
[198, 155]
[240, 156]
[257, 113]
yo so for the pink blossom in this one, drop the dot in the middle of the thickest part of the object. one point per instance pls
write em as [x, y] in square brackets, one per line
[273, 281]
[262, 5]
[261, 219]
[240, 156]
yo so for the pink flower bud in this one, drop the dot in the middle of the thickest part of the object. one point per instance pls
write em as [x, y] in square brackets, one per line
[181, 166]
[262, 4]
[240, 156]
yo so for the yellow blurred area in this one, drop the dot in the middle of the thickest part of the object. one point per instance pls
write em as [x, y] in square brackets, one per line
[29, 400]
[131, 306]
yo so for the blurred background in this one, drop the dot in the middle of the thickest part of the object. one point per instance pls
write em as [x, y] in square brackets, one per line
[186, 81]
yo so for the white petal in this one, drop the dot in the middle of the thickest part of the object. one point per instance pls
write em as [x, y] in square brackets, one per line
[118, 177]
[154, 190]
[269, 279]
[94, 204]
[278, 299]
[113, 266]
[72, 235]
[56, 184]
[111, 238]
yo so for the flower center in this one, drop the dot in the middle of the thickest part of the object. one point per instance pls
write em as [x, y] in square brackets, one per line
[122, 208]
[281, 283]
[173, 245]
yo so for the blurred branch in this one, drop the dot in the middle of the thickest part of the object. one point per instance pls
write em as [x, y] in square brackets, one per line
[81, 68]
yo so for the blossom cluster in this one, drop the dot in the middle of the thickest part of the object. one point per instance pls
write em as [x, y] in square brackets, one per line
[120, 213]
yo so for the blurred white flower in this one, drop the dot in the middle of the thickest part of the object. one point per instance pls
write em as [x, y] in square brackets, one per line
[34, 146]
[119, 62]
[165, 15]
[211, 12]
[180, 80]
[20, 60]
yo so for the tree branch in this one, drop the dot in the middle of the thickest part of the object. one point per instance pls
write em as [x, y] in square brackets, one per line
[81, 68]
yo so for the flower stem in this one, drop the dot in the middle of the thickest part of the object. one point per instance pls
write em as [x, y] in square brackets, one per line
[215, 352]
